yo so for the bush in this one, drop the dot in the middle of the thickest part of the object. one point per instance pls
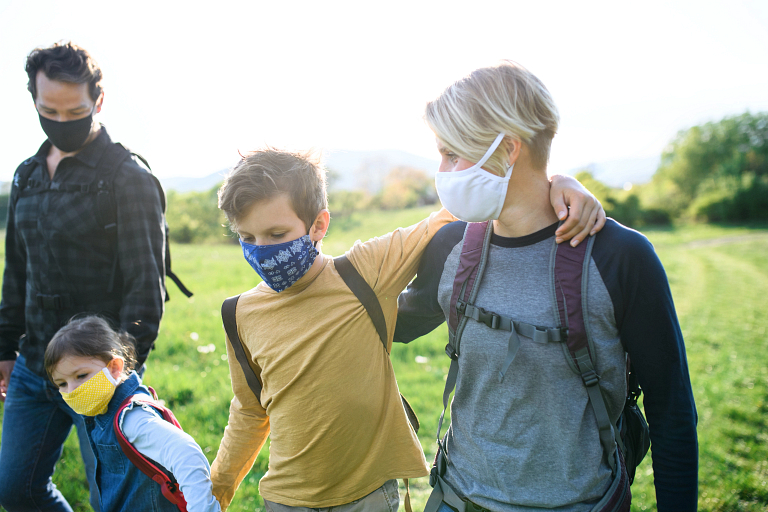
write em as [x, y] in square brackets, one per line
[194, 217]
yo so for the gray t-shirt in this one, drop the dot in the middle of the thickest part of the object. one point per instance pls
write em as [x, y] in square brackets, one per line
[530, 440]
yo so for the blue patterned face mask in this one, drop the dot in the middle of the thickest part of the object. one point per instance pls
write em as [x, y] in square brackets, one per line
[281, 265]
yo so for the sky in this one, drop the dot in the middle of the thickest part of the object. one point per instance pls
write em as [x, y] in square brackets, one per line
[189, 84]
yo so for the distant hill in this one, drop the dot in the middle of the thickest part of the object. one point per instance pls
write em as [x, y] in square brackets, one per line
[367, 169]
[194, 184]
[350, 170]
[615, 173]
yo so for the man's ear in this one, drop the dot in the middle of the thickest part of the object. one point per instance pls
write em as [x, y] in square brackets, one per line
[320, 226]
[115, 367]
[99, 102]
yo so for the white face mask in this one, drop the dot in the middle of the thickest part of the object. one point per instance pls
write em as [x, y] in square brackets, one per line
[474, 195]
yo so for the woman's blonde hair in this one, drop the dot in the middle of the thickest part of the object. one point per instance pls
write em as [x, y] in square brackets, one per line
[505, 98]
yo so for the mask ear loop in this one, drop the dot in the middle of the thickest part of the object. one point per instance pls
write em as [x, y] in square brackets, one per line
[491, 149]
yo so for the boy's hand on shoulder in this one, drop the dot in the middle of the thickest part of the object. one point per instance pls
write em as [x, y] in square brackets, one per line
[585, 216]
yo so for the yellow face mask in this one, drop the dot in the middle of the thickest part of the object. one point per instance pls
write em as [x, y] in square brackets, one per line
[92, 397]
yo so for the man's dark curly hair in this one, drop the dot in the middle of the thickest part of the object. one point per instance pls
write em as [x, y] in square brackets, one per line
[65, 62]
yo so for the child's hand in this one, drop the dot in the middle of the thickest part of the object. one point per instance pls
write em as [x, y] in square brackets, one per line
[586, 216]
[6, 367]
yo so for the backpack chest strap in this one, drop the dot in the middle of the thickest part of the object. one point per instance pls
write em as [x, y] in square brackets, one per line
[495, 321]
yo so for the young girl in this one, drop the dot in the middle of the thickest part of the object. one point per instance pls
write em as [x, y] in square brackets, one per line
[92, 366]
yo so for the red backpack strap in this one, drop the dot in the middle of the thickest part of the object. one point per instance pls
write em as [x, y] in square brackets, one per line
[168, 485]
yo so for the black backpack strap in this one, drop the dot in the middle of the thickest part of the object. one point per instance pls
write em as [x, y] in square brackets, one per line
[229, 316]
[370, 302]
[364, 294]
[21, 178]
[114, 156]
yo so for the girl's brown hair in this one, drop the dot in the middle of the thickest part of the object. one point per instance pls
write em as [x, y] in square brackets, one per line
[90, 336]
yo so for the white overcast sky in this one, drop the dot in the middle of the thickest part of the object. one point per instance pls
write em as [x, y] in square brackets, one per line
[188, 84]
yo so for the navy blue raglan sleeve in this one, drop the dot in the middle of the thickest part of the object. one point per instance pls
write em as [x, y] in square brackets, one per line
[418, 310]
[649, 329]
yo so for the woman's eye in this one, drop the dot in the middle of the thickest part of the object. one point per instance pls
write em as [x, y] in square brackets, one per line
[453, 157]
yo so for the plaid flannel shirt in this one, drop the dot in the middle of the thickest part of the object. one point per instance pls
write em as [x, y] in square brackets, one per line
[56, 246]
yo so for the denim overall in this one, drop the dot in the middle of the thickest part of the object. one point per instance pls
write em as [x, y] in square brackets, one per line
[121, 486]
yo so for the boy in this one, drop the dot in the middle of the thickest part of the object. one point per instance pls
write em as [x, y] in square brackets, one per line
[340, 436]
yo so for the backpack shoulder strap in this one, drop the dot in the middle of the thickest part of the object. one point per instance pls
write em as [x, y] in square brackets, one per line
[370, 302]
[570, 269]
[364, 294]
[21, 177]
[466, 284]
[168, 485]
[114, 156]
[229, 316]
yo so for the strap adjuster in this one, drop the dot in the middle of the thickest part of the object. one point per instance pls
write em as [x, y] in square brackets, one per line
[461, 306]
[451, 353]
[590, 378]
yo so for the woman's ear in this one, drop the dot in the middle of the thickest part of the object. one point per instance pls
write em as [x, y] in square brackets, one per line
[320, 226]
[115, 367]
[514, 147]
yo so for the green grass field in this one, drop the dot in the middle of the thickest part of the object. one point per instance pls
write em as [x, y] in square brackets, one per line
[719, 279]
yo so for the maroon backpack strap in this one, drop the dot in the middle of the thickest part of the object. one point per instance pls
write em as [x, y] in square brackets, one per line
[474, 254]
[466, 274]
[571, 265]
[168, 485]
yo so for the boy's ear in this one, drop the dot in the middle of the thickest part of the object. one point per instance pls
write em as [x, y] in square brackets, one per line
[115, 367]
[320, 226]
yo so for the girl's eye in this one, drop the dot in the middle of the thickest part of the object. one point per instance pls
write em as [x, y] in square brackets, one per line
[62, 384]
[82, 376]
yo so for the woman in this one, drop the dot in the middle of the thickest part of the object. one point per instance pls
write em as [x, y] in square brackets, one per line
[525, 433]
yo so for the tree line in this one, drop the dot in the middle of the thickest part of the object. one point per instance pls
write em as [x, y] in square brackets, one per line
[714, 172]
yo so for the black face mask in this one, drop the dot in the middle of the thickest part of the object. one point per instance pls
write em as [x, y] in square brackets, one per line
[68, 136]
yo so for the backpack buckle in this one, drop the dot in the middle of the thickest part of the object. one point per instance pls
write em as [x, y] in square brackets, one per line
[490, 319]
[461, 306]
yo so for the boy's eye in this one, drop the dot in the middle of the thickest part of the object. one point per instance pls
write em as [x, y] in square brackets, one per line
[278, 235]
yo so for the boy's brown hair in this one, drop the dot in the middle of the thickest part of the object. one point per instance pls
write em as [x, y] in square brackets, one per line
[266, 173]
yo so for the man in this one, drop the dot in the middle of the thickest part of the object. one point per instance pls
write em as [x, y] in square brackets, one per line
[85, 233]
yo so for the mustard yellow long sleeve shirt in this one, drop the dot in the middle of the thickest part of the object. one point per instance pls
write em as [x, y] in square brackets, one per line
[330, 400]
